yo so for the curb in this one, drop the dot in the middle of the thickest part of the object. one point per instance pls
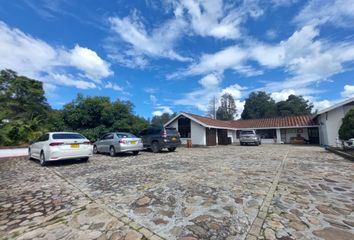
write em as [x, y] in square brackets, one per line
[340, 153]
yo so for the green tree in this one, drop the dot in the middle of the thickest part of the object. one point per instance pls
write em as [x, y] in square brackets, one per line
[227, 109]
[294, 106]
[94, 116]
[259, 105]
[162, 119]
[346, 130]
[24, 108]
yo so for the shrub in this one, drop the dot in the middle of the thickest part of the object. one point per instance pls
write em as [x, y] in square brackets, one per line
[346, 130]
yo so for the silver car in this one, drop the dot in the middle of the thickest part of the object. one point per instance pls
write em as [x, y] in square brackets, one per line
[117, 142]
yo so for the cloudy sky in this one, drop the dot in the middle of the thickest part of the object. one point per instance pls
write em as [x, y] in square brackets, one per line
[176, 55]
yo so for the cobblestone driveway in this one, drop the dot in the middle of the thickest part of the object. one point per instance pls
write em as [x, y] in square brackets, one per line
[230, 192]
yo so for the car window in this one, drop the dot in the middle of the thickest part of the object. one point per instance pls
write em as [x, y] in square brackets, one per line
[67, 136]
[156, 130]
[43, 138]
[171, 131]
[246, 132]
[143, 132]
[108, 136]
[125, 135]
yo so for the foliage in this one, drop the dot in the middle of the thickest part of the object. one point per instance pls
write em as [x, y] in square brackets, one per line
[161, 120]
[23, 108]
[227, 110]
[346, 130]
[294, 106]
[259, 105]
[25, 113]
[94, 116]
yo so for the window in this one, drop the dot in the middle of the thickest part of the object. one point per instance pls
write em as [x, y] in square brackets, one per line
[43, 138]
[184, 127]
[125, 135]
[108, 136]
[67, 136]
[267, 133]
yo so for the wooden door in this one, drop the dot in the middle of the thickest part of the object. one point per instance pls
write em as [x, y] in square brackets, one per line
[210, 136]
[222, 136]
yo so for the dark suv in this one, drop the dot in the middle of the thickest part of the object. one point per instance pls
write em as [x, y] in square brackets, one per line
[157, 138]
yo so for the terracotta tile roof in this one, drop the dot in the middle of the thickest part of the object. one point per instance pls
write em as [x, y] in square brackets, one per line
[211, 122]
[292, 121]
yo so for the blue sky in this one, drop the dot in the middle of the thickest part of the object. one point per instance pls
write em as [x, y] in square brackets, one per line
[175, 55]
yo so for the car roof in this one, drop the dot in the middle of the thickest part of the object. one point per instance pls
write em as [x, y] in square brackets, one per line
[63, 133]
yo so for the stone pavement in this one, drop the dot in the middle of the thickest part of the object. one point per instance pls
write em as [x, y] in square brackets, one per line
[224, 192]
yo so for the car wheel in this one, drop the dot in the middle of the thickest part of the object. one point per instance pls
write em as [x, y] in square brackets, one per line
[112, 151]
[155, 147]
[241, 143]
[260, 143]
[135, 152]
[95, 151]
[256, 143]
[85, 159]
[42, 159]
[171, 149]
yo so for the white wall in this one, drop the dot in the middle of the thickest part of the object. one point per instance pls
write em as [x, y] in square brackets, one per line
[330, 123]
[232, 135]
[197, 134]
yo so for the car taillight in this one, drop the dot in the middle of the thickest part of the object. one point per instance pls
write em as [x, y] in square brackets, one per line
[122, 141]
[164, 134]
[56, 143]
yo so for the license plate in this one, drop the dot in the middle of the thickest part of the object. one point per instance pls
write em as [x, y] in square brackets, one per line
[133, 142]
[74, 145]
[174, 139]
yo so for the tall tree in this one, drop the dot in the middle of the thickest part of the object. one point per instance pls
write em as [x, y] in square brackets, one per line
[212, 108]
[162, 119]
[227, 109]
[259, 105]
[346, 130]
[294, 106]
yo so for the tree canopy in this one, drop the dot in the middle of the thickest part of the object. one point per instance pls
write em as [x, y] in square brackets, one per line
[259, 105]
[25, 113]
[227, 109]
[162, 119]
[294, 106]
[346, 130]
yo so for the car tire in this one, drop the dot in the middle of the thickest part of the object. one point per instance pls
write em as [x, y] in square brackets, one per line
[241, 143]
[171, 149]
[42, 160]
[112, 151]
[256, 143]
[95, 150]
[260, 143]
[135, 152]
[155, 147]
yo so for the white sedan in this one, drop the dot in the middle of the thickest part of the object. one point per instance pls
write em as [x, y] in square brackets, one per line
[55, 146]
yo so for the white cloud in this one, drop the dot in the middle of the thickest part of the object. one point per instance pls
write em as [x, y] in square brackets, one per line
[153, 100]
[234, 90]
[283, 95]
[163, 109]
[39, 60]
[114, 86]
[90, 63]
[68, 80]
[336, 12]
[283, 3]
[159, 43]
[348, 91]
[209, 81]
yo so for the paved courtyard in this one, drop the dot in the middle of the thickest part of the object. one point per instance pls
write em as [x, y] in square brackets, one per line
[225, 192]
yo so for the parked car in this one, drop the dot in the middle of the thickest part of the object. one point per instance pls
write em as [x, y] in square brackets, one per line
[116, 142]
[157, 138]
[249, 136]
[54, 146]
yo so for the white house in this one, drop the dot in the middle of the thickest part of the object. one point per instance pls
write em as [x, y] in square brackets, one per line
[330, 120]
[208, 132]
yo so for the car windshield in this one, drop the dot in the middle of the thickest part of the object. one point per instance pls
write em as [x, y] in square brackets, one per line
[67, 136]
[125, 135]
[246, 132]
[171, 131]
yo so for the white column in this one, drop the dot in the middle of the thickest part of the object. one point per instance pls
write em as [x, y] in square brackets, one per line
[278, 135]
